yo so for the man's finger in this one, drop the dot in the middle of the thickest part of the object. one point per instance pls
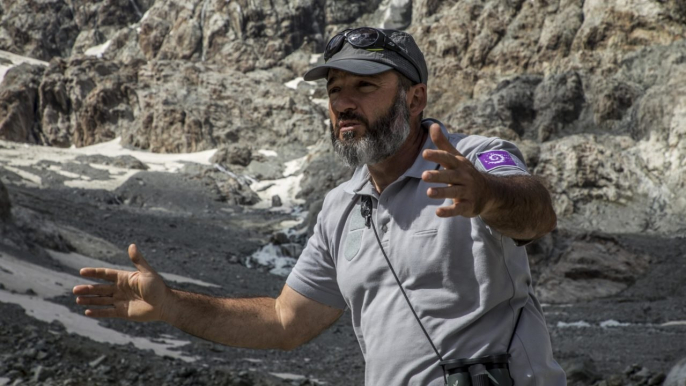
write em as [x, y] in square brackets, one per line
[447, 176]
[442, 157]
[94, 289]
[100, 273]
[441, 141]
[101, 312]
[453, 192]
[138, 260]
[462, 208]
[95, 300]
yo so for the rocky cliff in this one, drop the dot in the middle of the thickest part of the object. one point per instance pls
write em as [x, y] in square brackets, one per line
[592, 91]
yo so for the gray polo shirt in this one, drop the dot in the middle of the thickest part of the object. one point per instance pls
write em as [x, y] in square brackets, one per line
[466, 281]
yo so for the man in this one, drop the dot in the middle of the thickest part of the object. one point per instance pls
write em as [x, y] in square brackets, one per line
[450, 212]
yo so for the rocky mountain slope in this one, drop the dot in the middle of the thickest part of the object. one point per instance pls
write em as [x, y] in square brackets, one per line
[593, 92]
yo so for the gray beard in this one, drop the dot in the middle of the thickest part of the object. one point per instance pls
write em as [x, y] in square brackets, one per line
[381, 140]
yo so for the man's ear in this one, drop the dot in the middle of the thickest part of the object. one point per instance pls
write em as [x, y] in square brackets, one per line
[416, 99]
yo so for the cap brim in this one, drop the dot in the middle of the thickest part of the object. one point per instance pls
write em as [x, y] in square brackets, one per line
[354, 66]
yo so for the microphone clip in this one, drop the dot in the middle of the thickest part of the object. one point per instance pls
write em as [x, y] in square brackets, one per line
[366, 210]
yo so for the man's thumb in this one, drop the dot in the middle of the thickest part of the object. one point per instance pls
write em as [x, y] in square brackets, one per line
[138, 260]
[441, 141]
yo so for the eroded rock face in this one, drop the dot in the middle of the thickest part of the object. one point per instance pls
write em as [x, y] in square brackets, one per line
[187, 107]
[85, 101]
[18, 99]
[240, 34]
[41, 29]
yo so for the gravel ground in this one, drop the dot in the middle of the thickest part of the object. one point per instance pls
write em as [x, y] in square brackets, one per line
[187, 231]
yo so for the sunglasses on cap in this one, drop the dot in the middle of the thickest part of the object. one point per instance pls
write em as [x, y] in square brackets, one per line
[367, 38]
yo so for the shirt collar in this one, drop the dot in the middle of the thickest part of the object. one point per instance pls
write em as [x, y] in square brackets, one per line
[360, 182]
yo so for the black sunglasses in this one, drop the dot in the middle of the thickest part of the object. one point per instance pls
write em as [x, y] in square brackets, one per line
[370, 39]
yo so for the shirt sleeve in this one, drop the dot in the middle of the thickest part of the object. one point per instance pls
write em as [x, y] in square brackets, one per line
[495, 156]
[314, 274]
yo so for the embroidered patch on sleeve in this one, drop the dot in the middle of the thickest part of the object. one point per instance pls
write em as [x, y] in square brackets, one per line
[494, 159]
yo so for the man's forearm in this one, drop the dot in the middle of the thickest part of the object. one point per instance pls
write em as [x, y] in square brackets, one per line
[249, 322]
[520, 208]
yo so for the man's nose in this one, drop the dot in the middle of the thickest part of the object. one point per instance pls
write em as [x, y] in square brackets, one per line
[344, 101]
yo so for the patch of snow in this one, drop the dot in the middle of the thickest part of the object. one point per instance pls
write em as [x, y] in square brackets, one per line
[30, 179]
[98, 50]
[74, 323]
[286, 188]
[613, 323]
[314, 58]
[580, 324]
[3, 71]
[270, 256]
[268, 153]
[289, 376]
[18, 275]
[24, 155]
[16, 60]
[294, 166]
[293, 84]
[674, 323]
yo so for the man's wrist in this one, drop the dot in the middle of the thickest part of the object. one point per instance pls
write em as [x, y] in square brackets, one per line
[169, 306]
[490, 201]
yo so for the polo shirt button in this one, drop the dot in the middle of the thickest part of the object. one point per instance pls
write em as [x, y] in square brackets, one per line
[384, 228]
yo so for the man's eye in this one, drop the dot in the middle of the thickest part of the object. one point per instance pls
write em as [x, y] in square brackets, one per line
[333, 90]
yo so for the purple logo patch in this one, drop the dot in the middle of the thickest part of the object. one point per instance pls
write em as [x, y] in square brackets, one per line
[495, 158]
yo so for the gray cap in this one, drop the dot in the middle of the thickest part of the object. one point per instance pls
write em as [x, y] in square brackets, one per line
[360, 61]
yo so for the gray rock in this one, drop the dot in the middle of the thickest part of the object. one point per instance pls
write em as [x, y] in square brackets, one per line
[580, 371]
[38, 29]
[590, 267]
[5, 204]
[558, 102]
[323, 172]
[276, 201]
[264, 170]
[19, 120]
[232, 155]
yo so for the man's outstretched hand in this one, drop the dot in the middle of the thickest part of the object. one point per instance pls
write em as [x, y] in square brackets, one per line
[466, 186]
[133, 295]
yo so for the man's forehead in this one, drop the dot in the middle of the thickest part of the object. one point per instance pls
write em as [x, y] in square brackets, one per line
[339, 74]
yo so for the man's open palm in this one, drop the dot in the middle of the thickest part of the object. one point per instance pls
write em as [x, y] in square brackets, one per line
[466, 186]
[134, 295]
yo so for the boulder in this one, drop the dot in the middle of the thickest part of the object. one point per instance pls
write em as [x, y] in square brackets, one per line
[589, 267]
[232, 155]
